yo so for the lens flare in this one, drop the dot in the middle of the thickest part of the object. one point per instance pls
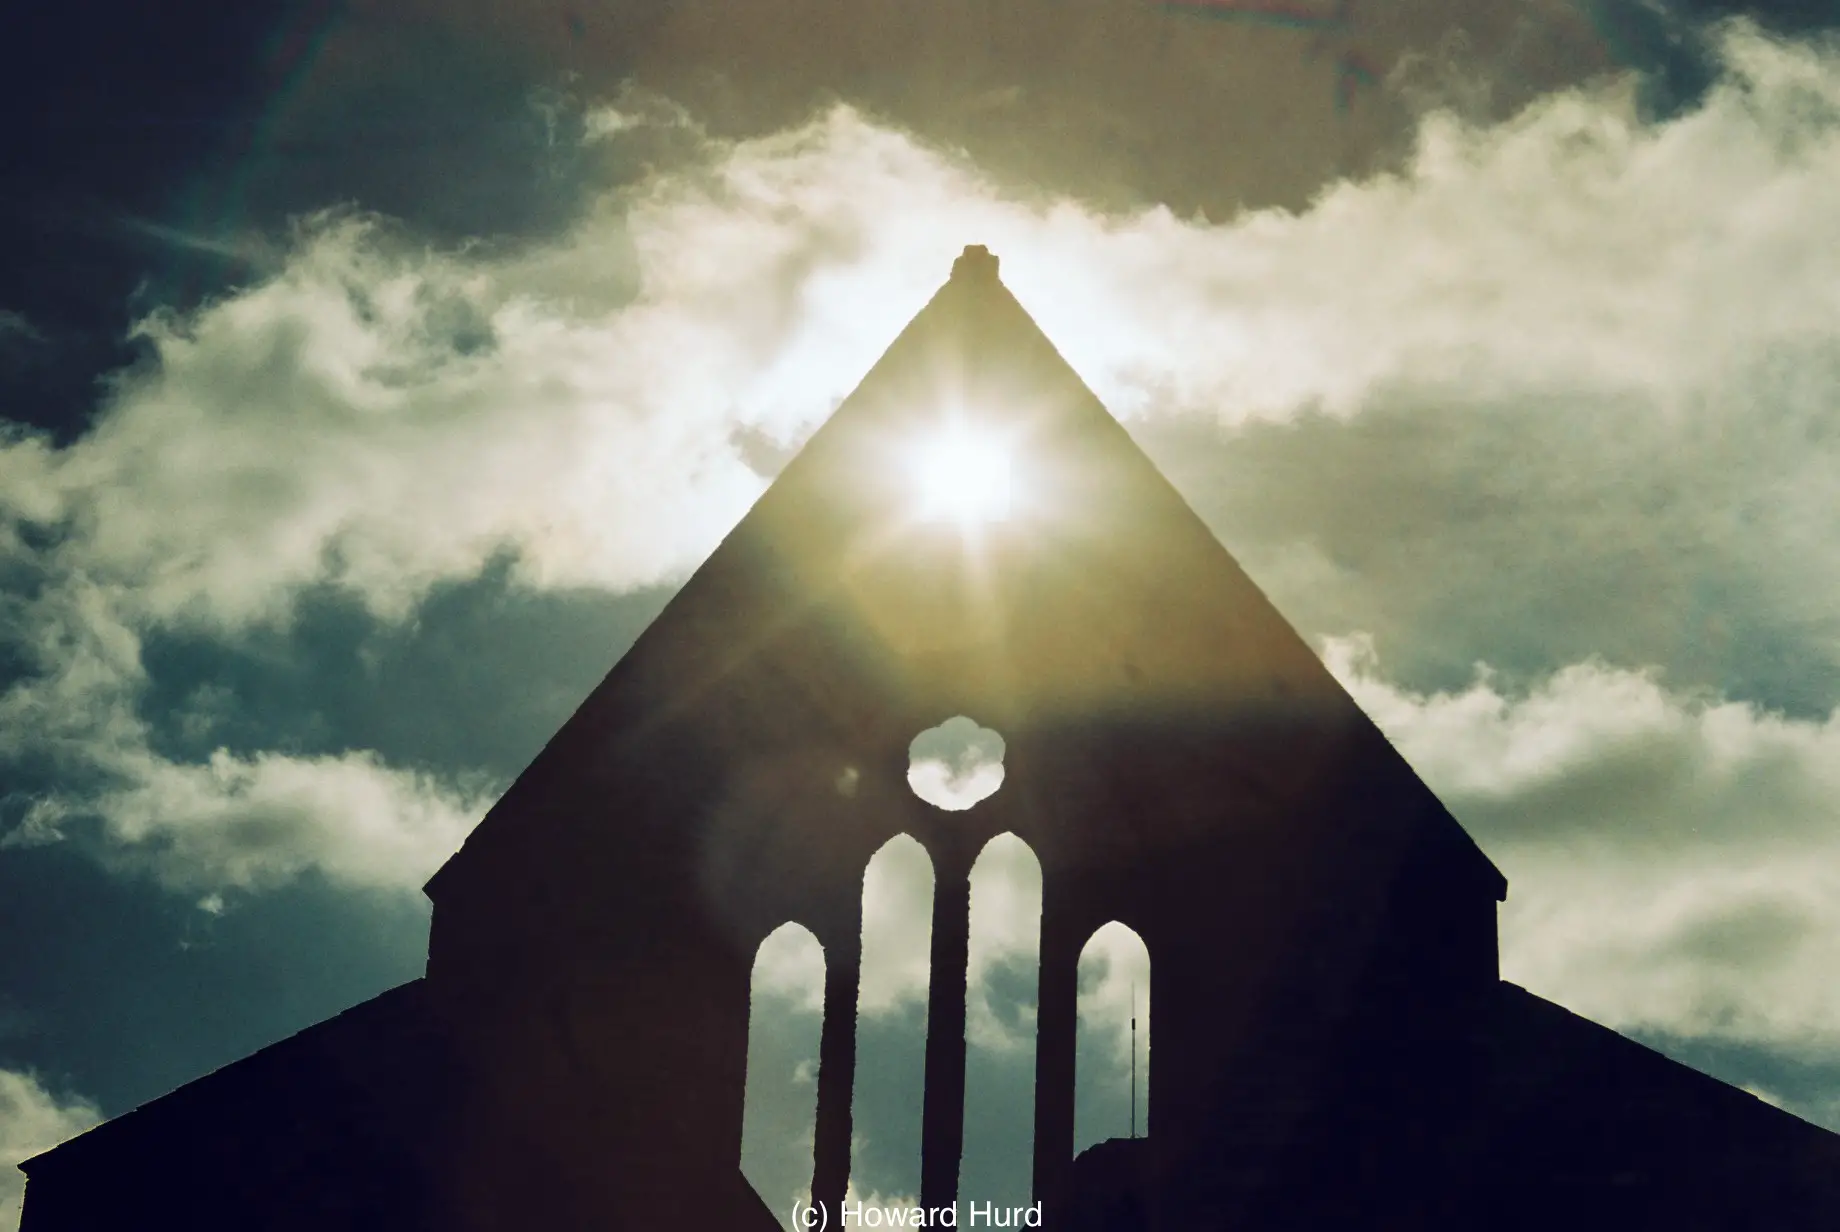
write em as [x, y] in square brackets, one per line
[963, 477]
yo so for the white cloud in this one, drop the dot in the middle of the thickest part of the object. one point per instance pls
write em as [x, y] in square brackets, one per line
[1673, 860]
[258, 821]
[233, 821]
[1112, 1094]
[951, 787]
[383, 416]
[790, 963]
[1005, 942]
[897, 928]
[956, 764]
[32, 1120]
[1115, 987]
[784, 1024]
[885, 1210]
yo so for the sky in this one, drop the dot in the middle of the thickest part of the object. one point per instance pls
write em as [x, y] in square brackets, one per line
[347, 438]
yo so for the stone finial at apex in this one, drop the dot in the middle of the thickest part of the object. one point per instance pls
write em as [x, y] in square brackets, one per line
[976, 261]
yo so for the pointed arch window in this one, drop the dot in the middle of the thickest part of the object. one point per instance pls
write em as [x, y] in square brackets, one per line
[1002, 981]
[779, 1111]
[891, 1003]
[1112, 1044]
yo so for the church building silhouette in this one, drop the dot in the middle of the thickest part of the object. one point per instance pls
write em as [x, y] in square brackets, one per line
[1334, 1046]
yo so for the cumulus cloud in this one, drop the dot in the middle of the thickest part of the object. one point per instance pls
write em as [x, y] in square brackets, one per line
[253, 822]
[897, 929]
[1114, 988]
[1673, 860]
[382, 418]
[1001, 1001]
[383, 414]
[32, 1120]
[232, 821]
[379, 415]
[889, 1209]
[956, 764]
[790, 964]
[256, 822]
[1005, 947]
[784, 1025]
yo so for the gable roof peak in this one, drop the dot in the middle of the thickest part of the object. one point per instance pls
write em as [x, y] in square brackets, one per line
[976, 262]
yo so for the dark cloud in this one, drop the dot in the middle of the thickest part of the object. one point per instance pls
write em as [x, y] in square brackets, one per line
[366, 505]
[472, 683]
[1197, 108]
[999, 1139]
[132, 991]
[1670, 857]
[886, 1109]
[1528, 535]
[128, 107]
[209, 127]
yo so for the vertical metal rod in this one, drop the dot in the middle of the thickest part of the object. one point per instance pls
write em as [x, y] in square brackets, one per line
[1134, 1058]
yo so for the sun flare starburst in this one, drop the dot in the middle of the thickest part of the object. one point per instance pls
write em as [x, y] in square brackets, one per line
[963, 476]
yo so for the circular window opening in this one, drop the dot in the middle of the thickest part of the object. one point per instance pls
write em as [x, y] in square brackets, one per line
[956, 764]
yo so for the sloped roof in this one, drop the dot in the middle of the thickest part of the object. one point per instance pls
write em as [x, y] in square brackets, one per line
[378, 1062]
[833, 608]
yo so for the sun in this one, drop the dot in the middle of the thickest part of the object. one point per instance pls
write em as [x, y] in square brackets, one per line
[963, 476]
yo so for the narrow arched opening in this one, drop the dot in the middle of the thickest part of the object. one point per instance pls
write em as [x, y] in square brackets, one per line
[1002, 983]
[1112, 1044]
[891, 1004]
[779, 1112]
